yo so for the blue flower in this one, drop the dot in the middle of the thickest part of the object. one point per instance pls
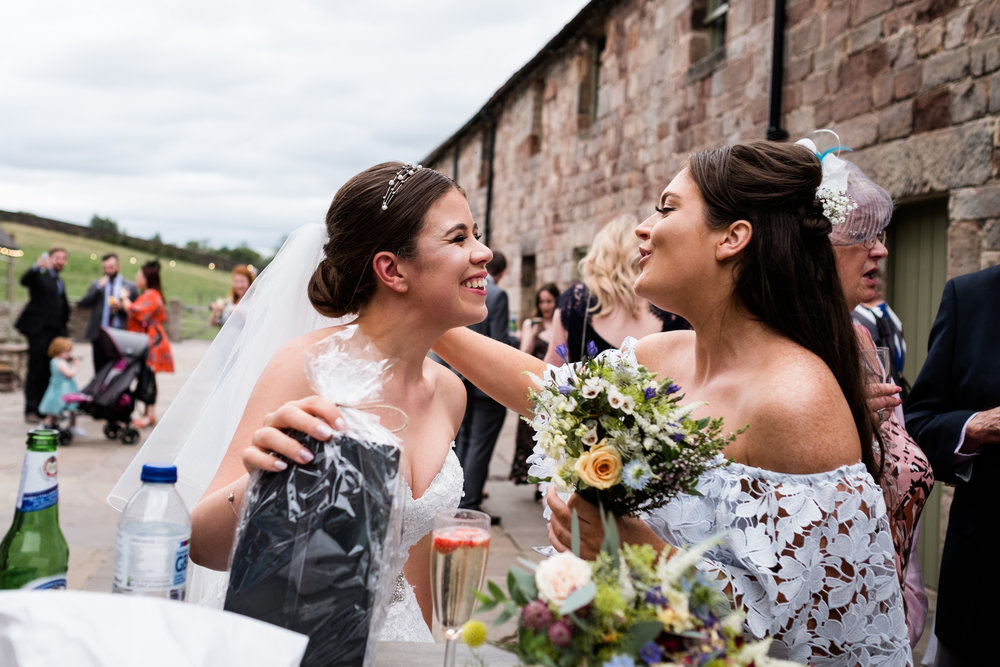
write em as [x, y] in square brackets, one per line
[562, 351]
[655, 597]
[651, 653]
[636, 474]
[591, 349]
[677, 437]
[565, 389]
[620, 661]
[649, 392]
[671, 388]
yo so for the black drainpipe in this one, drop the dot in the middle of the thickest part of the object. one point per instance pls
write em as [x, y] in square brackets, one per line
[774, 131]
[491, 121]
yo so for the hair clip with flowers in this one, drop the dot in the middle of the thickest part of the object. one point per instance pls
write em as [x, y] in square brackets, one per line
[832, 190]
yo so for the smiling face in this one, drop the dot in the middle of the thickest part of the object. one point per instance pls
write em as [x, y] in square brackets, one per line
[675, 246]
[110, 267]
[448, 274]
[857, 267]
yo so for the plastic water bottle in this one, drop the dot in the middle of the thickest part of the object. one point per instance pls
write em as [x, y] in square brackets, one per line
[154, 535]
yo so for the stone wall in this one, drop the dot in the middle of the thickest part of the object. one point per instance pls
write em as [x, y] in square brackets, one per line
[912, 87]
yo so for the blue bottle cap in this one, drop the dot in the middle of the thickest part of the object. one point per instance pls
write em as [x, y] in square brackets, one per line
[159, 474]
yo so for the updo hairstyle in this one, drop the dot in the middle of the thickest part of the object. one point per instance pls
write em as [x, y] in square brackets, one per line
[787, 274]
[358, 229]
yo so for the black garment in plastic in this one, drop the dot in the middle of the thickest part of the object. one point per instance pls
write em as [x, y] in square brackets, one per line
[311, 544]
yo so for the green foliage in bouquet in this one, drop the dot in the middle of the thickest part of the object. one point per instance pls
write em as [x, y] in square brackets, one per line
[630, 606]
[616, 435]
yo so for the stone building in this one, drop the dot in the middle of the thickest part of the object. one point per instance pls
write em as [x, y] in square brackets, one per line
[602, 117]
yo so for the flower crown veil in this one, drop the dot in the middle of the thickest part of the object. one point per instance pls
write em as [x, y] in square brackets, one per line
[196, 429]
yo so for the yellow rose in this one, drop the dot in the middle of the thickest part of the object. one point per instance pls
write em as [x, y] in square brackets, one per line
[601, 467]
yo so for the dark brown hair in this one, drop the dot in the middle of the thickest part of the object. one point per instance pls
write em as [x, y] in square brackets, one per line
[787, 275]
[151, 272]
[358, 228]
[552, 289]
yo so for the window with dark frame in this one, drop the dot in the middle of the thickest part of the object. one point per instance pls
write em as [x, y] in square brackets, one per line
[715, 24]
[537, 105]
[590, 82]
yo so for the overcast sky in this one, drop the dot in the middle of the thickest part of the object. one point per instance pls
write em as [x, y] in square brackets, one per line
[236, 121]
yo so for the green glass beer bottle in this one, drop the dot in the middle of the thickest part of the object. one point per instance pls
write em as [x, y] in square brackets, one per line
[34, 554]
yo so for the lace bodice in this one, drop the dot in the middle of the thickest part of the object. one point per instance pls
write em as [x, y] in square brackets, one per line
[404, 621]
[808, 557]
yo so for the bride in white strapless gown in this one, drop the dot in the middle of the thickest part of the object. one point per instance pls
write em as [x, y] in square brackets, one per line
[398, 258]
[404, 621]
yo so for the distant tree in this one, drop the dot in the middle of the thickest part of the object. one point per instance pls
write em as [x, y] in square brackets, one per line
[243, 254]
[103, 224]
[197, 246]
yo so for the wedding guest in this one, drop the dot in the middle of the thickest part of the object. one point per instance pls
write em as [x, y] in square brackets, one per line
[105, 307]
[859, 246]
[953, 412]
[43, 318]
[147, 314]
[885, 328]
[404, 264]
[536, 331]
[64, 367]
[603, 308]
[242, 277]
[739, 247]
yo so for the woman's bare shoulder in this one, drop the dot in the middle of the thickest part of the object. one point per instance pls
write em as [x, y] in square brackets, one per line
[448, 388]
[654, 350]
[800, 421]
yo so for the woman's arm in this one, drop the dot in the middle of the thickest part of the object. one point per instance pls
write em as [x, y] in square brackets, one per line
[556, 338]
[528, 331]
[496, 368]
[275, 403]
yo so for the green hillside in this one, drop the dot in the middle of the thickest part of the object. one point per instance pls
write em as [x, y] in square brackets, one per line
[195, 286]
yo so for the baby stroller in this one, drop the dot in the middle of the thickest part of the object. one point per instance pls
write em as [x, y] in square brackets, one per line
[112, 394]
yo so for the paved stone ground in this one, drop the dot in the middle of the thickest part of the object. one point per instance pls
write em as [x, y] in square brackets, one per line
[90, 467]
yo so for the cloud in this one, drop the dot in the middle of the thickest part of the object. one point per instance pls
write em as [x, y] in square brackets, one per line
[236, 122]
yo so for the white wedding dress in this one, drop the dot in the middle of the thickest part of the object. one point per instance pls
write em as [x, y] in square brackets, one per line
[195, 430]
[404, 621]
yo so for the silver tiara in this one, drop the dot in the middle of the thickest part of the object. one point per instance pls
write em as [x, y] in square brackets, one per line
[396, 181]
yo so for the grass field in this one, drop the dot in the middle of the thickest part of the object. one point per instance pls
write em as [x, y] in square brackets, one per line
[195, 286]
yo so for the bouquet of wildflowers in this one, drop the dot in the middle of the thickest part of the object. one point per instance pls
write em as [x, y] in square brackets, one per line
[629, 607]
[609, 430]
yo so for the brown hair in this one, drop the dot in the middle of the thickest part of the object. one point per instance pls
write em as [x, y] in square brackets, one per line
[787, 275]
[241, 270]
[59, 345]
[151, 272]
[552, 289]
[358, 228]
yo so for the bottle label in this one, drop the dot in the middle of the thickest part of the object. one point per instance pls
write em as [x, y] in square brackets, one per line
[39, 482]
[151, 564]
[54, 583]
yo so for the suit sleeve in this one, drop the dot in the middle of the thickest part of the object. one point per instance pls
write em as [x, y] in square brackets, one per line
[932, 417]
[92, 297]
[30, 277]
[498, 314]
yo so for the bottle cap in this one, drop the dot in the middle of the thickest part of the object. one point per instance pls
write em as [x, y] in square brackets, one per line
[159, 474]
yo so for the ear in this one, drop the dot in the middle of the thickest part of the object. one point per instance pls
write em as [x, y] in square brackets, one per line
[735, 240]
[389, 271]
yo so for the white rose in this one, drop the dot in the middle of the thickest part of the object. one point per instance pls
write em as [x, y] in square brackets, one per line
[558, 576]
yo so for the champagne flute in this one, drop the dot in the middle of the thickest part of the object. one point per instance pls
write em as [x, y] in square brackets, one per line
[877, 361]
[459, 549]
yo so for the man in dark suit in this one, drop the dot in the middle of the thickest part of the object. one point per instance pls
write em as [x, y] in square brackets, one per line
[105, 305]
[42, 319]
[483, 416]
[953, 412]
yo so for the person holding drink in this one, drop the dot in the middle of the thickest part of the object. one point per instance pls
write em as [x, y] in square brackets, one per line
[103, 297]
